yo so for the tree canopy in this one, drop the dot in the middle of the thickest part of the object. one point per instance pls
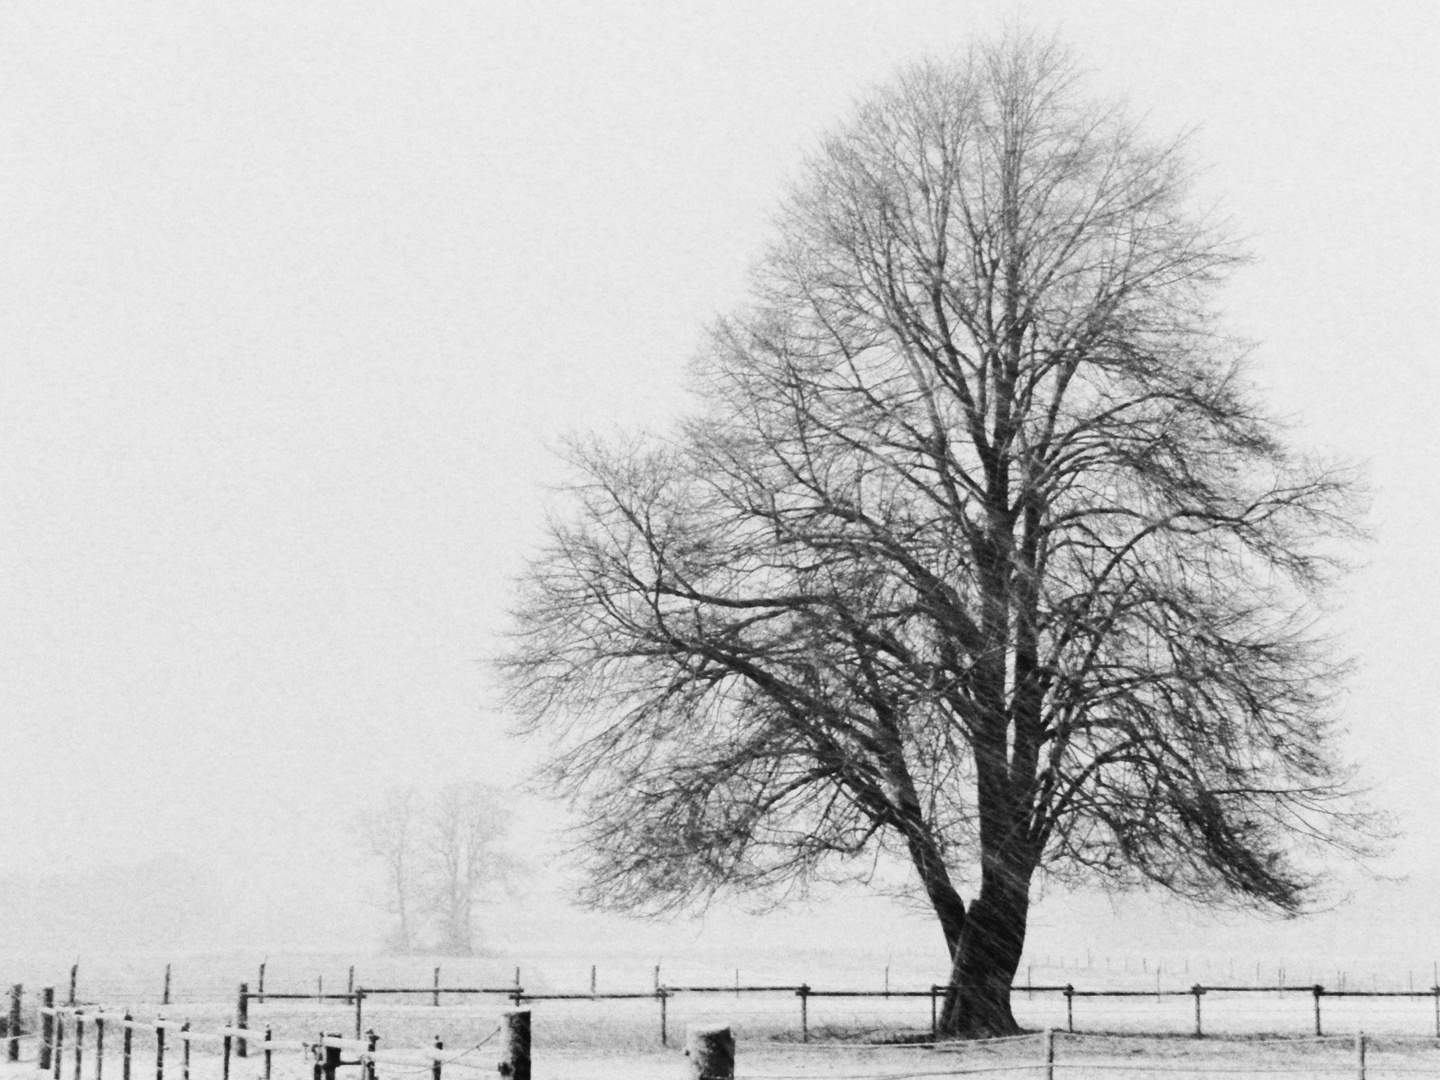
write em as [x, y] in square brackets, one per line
[979, 550]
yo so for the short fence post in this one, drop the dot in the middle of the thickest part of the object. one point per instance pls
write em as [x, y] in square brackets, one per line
[515, 1048]
[436, 1000]
[47, 1026]
[242, 1019]
[1049, 1053]
[350, 986]
[711, 1050]
[663, 995]
[165, 997]
[260, 987]
[79, 1042]
[159, 1049]
[1069, 1008]
[359, 1011]
[1197, 991]
[74, 978]
[99, 1046]
[268, 1052]
[435, 1061]
[16, 992]
[1318, 991]
[59, 1042]
[330, 1056]
[125, 1042]
[185, 1051]
[804, 994]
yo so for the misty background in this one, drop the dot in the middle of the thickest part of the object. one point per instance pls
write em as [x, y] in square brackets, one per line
[296, 302]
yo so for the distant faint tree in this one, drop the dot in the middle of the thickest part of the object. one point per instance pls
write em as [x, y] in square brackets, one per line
[464, 862]
[979, 551]
[389, 833]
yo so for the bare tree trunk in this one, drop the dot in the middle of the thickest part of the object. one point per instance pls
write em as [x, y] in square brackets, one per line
[977, 1004]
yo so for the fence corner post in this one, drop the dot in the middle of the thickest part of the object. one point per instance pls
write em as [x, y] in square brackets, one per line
[711, 1050]
[515, 1049]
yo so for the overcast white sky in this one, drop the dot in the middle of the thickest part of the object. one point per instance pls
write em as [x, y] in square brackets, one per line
[294, 298]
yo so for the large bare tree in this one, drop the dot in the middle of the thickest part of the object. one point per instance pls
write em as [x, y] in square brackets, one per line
[979, 551]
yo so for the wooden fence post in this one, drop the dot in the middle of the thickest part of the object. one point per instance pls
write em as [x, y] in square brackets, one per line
[330, 1055]
[242, 1019]
[1318, 991]
[165, 997]
[260, 985]
[359, 1012]
[515, 1049]
[185, 1051]
[16, 992]
[1069, 1008]
[1197, 991]
[59, 1043]
[47, 1026]
[711, 1050]
[436, 1000]
[804, 994]
[74, 978]
[1049, 1053]
[1360, 1055]
[934, 1014]
[225, 1057]
[350, 984]
[79, 1042]
[663, 995]
[435, 1061]
[159, 1049]
[99, 1047]
[268, 1051]
[125, 1043]
[372, 1040]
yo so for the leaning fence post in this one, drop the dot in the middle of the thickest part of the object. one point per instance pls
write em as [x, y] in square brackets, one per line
[1197, 991]
[47, 1026]
[1318, 991]
[1360, 1055]
[1049, 1053]
[16, 992]
[1069, 1008]
[804, 994]
[711, 1050]
[242, 1019]
[125, 1041]
[515, 1049]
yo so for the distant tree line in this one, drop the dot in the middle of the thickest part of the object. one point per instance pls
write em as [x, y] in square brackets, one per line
[440, 857]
